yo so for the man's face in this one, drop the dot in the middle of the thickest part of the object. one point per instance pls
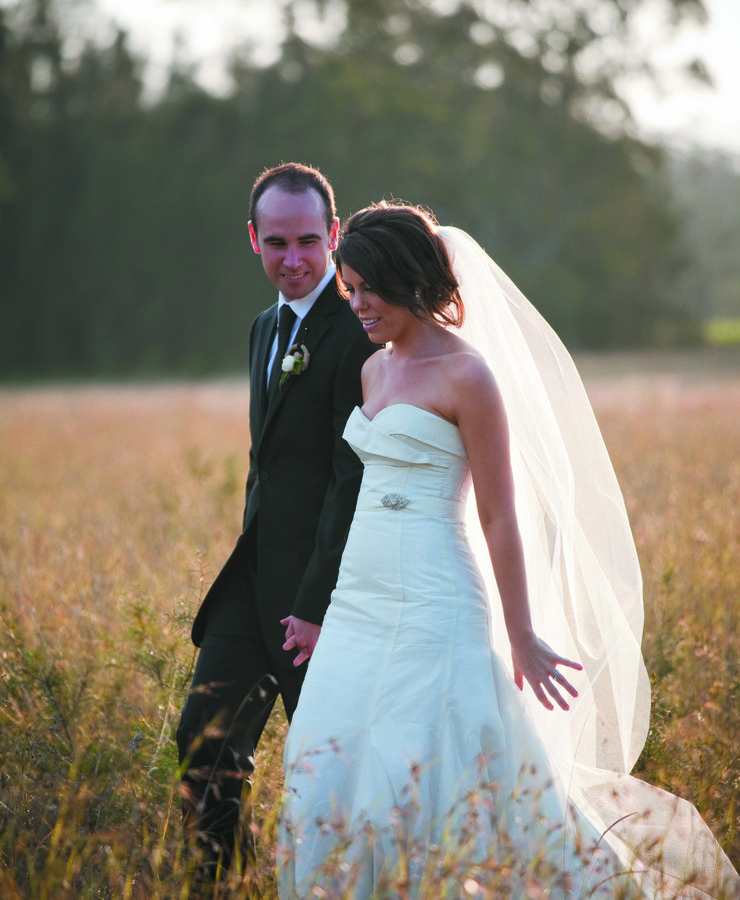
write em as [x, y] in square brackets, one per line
[293, 240]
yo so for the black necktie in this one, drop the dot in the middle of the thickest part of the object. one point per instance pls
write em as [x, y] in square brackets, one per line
[286, 318]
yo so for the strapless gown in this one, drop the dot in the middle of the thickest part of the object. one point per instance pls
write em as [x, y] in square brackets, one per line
[411, 764]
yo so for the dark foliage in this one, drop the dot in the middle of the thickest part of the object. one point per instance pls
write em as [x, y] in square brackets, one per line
[123, 238]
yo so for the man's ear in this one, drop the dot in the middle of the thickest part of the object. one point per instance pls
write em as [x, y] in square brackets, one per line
[253, 238]
[333, 234]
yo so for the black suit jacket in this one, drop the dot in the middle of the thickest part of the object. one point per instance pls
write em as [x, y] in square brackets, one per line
[303, 477]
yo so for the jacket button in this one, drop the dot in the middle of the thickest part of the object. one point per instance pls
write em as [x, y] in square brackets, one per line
[264, 475]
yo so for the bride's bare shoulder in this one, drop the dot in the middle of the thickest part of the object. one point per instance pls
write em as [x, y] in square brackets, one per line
[375, 360]
[470, 386]
[468, 365]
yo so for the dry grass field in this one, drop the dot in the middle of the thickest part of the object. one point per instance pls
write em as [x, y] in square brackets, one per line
[118, 505]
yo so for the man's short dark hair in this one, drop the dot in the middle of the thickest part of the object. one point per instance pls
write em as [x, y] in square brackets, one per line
[294, 178]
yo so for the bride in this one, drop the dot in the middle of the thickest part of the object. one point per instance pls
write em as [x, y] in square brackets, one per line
[414, 766]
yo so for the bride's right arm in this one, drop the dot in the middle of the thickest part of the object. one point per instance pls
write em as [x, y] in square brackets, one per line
[369, 374]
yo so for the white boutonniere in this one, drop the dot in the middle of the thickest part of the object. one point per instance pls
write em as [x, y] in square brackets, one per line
[294, 362]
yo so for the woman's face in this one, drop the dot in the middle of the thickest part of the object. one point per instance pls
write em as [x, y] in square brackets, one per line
[383, 322]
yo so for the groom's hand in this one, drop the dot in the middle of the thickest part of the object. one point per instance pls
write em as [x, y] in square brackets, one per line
[302, 635]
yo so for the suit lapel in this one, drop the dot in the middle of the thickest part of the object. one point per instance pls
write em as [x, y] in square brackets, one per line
[259, 373]
[312, 329]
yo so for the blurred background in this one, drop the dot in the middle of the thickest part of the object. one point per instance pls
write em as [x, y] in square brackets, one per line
[591, 146]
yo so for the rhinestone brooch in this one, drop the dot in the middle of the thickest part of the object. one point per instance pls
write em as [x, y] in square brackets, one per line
[395, 501]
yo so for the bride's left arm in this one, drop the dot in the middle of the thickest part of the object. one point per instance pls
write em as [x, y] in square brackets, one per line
[484, 430]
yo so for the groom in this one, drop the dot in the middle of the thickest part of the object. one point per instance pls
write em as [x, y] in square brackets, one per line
[270, 597]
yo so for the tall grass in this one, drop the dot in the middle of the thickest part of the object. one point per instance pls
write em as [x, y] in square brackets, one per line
[117, 509]
[676, 448]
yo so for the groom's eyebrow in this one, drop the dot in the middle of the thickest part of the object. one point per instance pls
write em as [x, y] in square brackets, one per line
[301, 237]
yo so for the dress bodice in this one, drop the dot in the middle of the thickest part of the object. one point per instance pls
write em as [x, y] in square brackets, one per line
[414, 460]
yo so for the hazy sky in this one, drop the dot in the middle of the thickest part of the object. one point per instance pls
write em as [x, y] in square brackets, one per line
[710, 117]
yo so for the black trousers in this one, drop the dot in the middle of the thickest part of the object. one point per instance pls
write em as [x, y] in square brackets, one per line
[235, 685]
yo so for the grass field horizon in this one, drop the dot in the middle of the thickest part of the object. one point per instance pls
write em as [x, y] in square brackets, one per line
[119, 504]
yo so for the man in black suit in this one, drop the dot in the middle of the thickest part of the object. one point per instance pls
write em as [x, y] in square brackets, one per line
[270, 597]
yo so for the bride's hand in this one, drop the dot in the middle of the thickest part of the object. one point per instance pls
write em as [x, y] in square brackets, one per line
[537, 663]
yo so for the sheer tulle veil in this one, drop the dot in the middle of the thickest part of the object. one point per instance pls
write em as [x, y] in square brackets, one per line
[584, 582]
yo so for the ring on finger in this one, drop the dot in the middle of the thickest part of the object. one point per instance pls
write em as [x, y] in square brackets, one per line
[555, 675]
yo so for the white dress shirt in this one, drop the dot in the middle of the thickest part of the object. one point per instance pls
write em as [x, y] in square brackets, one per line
[301, 308]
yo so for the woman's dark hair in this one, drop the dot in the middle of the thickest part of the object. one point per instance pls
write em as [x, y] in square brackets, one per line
[396, 250]
[294, 178]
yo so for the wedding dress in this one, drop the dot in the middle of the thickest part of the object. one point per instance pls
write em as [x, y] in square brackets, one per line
[414, 767]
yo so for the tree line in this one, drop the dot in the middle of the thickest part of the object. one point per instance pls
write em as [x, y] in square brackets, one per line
[123, 223]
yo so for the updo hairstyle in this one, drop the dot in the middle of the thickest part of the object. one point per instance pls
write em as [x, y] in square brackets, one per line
[395, 249]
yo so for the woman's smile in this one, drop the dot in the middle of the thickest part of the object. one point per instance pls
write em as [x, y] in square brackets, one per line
[383, 322]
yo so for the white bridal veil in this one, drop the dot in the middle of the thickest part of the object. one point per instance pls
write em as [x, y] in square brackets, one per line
[585, 587]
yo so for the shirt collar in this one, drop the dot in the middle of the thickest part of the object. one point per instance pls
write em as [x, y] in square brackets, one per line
[301, 306]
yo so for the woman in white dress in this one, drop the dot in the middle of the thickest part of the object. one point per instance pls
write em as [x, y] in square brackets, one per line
[414, 767]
